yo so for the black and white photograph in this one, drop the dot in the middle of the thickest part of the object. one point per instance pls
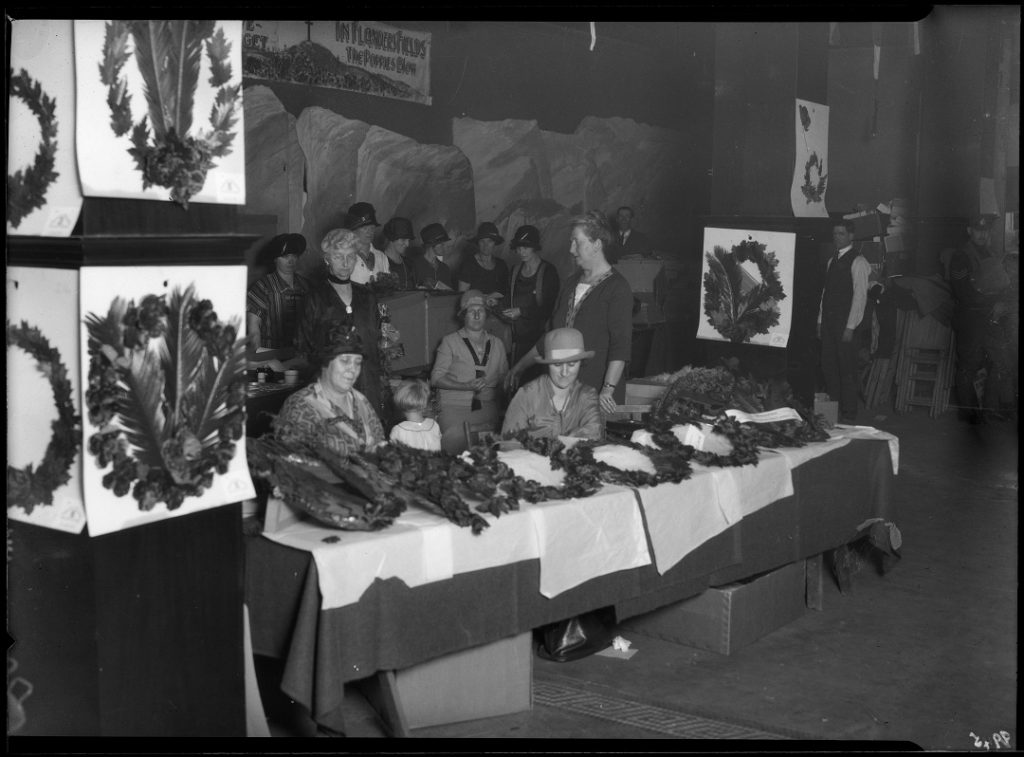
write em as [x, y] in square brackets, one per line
[539, 378]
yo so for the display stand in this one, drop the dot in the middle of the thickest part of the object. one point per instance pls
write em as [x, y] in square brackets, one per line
[137, 632]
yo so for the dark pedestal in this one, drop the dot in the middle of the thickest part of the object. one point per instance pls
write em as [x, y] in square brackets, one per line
[135, 633]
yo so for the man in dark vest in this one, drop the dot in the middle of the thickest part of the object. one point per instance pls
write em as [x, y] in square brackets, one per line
[841, 320]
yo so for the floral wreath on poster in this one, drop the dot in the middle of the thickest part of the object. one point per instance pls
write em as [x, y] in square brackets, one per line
[174, 377]
[26, 190]
[169, 55]
[814, 192]
[29, 486]
[735, 314]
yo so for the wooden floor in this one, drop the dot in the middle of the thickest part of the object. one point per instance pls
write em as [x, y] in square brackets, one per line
[926, 654]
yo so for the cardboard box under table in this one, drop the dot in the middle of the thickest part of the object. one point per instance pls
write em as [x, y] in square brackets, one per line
[726, 618]
[483, 682]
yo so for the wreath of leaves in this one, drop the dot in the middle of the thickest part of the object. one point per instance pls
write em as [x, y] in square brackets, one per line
[29, 486]
[167, 392]
[169, 54]
[26, 190]
[733, 314]
[814, 192]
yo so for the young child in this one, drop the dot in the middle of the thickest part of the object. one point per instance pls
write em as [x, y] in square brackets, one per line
[411, 398]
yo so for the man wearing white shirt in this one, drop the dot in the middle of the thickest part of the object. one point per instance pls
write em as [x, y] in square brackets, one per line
[370, 262]
[841, 320]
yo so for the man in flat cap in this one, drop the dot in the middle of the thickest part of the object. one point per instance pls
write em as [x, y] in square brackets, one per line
[370, 262]
[981, 288]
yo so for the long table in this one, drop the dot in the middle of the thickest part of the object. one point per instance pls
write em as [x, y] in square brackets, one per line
[392, 626]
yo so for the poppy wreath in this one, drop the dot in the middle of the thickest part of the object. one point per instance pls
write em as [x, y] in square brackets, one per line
[31, 486]
[736, 314]
[814, 192]
[169, 414]
[26, 190]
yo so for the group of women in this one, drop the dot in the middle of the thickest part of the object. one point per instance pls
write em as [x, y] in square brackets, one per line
[567, 343]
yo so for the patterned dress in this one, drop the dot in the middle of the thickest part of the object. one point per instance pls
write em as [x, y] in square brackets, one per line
[278, 306]
[309, 417]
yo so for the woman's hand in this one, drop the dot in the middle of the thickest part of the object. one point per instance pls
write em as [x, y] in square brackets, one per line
[512, 313]
[477, 384]
[511, 381]
[607, 400]
[391, 333]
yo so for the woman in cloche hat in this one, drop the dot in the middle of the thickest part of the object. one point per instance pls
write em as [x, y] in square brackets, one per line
[557, 404]
[429, 270]
[468, 371]
[331, 412]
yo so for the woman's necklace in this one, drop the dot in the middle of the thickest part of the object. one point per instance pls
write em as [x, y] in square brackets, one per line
[345, 295]
[595, 275]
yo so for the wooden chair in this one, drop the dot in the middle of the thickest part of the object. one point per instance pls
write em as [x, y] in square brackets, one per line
[477, 433]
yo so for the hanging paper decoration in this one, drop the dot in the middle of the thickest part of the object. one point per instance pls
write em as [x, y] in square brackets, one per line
[748, 278]
[44, 462]
[160, 110]
[164, 367]
[43, 195]
[810, 170]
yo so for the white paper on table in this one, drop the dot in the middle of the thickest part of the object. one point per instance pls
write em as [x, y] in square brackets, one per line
[797, 456]
[418, 548]
[870, 432]
[581, 539]
[745, 489]
[682, 516]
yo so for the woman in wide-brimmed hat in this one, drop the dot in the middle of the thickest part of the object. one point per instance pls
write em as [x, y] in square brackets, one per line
[468, 371]
[598, 301]
[557, 404]
[331, 412]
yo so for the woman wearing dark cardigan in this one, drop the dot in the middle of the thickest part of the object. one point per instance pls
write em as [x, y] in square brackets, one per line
[596, 300]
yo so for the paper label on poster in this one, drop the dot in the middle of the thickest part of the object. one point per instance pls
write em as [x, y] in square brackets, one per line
[810, 168]
[42, 201]
[747, 278]
[165, 425]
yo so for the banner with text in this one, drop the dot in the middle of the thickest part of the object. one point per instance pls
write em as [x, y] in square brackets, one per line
[357, 56]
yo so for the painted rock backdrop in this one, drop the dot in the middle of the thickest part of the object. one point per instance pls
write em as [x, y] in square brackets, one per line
[510, 172]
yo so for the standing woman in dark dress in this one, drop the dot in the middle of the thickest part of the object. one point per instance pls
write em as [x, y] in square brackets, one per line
[533, 289]
[336, 297]
[487, 273]
[398, 235]
[596, 300]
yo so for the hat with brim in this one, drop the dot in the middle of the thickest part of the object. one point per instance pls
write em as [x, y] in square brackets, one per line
[488, 230]
[472, 297]
[526, 236]
[564, 346]
[434, 234]
[985, 221]
[337, 338]
[359, 215]
[398, 228]
[281, 245]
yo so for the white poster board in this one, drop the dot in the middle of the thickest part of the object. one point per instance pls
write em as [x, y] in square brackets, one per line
[44, 439]
[179, 135]
[167, 391]
[810, 167]
[43, 194]
[747, 284]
